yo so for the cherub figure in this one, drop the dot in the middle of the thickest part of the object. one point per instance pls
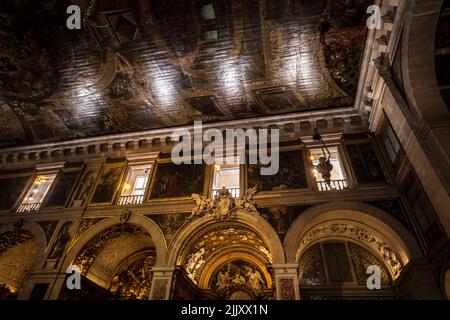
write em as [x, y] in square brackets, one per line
[245, 201]
[202, 205]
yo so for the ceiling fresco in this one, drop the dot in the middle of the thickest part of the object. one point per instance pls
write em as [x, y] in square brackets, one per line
[144, 64]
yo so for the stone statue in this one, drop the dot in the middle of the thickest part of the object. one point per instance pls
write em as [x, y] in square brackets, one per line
[202, 206]
[86, 186]
[125, 216]
[245, 202]
[61, 241]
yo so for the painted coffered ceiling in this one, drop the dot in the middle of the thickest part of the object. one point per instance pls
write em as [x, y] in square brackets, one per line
[144, 64]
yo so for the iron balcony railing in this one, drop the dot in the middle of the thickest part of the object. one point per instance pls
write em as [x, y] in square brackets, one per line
[130, 200]
[334, 185]
[233, 191]
[29, 207]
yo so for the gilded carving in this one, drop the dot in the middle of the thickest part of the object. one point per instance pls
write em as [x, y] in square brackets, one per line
[134, 279]
[238, 275]
[223, 205]
[91, 250]
[218, 241]
[359, 234]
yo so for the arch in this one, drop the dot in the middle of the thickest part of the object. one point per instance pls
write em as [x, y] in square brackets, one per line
[205, 279]
[115, 254]
[418, 65]
[253, 221]
[371, 227]
[145, 223]
[39, 238]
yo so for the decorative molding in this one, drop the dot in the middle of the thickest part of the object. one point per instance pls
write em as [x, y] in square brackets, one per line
[223, 205]
[359, 234]
[154, 141]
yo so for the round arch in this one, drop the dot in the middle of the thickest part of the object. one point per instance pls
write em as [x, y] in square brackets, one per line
[145, 223]
[204, 281]
[371, 227]
[39, 238]
[418, 65]
[253, 221]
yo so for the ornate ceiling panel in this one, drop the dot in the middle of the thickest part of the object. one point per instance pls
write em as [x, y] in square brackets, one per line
[149, 64]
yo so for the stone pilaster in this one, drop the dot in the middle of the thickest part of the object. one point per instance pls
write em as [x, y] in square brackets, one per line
[162, 282]
[286, 281]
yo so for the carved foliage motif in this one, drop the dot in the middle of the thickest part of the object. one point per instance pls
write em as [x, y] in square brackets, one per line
[16, 258]
[10, 239]
[90, 251]
[134, 279]
[359, 234]
[225, 238]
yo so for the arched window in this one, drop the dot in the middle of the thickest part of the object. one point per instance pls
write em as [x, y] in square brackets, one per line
[338, 270]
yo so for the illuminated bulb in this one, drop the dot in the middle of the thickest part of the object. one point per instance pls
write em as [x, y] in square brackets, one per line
[127, 186]
[35, 190]
[30, 198]
[312, 157]
[315, 171]
[217, 167]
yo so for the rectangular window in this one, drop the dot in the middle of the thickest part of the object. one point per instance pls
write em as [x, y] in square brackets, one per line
[64, 184]
[423, 210]
[133, 189]
[36, 194]
[337, 177]
[227, 175]
[11, 189]
[390, 141]
[364, 160]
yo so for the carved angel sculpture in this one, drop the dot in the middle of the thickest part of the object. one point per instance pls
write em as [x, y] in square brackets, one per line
[245, 201]
[202, 206]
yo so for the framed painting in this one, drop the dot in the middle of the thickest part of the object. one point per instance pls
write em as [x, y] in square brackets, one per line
[291, 173]
[108, 183]
[174, 181]
[11, 189]
[63, 187]
[365, 163]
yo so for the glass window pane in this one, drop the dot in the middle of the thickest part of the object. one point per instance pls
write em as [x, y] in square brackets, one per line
[337, 262]
[227, 176]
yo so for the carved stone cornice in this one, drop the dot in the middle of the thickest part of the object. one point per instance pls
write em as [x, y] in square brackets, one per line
[346, 120]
